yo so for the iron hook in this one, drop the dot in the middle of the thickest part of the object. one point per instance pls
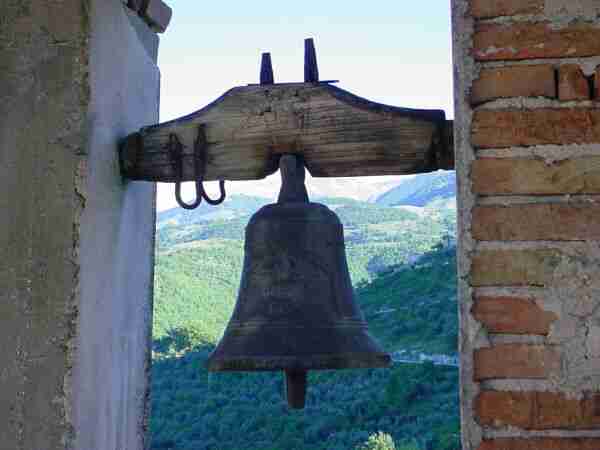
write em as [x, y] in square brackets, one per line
[222, 194]
[176, 149]
[180, 201]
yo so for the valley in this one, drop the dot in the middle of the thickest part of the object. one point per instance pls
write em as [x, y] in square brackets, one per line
[401, 257]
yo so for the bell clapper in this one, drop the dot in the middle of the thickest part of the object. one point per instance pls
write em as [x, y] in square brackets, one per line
[295, 388]
[293, 189]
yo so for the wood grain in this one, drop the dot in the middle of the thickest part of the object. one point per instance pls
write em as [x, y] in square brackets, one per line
[338, 134]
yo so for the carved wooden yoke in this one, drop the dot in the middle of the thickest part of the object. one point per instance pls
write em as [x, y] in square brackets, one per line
[241, 135]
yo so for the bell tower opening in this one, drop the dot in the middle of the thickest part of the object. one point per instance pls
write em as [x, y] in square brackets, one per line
[401, 259]
[402, 263]
[399, 235]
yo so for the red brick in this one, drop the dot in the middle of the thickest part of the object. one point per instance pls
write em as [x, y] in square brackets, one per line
[483, 9]
[507, 128]
[512, 315]
[514, 267]
[517, 81]
[541, 444]
[537, 410]
[555, 410]
[499, 409]
[532, 176]
[572, 84]
[527, 40]
[516, 361]
[537, 222]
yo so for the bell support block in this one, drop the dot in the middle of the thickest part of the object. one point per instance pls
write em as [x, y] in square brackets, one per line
[338, 134]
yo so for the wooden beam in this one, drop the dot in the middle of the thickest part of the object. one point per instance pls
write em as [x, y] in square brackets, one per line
[337, 133]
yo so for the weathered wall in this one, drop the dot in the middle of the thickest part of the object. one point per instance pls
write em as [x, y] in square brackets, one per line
[43, 103]
[110, 382]
[75, 241]
[528, 161]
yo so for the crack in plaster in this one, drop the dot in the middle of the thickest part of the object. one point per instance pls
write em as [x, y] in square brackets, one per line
[550, 154]
[506, 200]
[509, 432]
[587, 9]
[583, 61]
[532, 103]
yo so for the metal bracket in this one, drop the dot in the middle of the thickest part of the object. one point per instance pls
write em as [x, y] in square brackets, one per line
[176, 154]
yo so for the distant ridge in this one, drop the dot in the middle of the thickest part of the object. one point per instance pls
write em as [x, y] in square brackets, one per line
[418, 191]
[421, 190]
[234, 206]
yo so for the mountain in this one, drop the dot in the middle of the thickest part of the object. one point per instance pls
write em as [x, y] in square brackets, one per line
[200, 254]
[376, 236]
[403, 271]
[409, 307]
[421, 190]
[357, 188]
[413, 307]
[411, 190]
[234, 206]
[363, 188]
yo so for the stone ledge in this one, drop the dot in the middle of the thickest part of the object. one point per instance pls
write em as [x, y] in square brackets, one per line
[156, 13]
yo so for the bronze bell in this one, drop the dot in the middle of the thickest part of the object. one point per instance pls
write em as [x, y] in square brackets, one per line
[295, 309]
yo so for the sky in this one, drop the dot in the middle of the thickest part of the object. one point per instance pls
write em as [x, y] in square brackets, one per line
[396, 52]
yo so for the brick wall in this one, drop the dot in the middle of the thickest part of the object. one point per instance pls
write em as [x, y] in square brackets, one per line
[528, 156]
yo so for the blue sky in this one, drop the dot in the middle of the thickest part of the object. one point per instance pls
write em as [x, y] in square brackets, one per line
[395, 52]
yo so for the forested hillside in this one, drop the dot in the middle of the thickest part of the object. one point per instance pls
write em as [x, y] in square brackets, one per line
[402, 264]
[417, 405]
[233, 206]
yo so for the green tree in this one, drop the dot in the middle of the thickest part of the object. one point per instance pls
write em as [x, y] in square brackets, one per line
[379, 441]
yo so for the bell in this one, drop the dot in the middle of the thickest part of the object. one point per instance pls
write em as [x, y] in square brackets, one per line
[295, 309]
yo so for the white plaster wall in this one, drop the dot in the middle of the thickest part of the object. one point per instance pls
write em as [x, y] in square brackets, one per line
[111, 369]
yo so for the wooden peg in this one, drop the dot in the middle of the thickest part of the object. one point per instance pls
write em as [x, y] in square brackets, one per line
[266, 69]
[311, 70]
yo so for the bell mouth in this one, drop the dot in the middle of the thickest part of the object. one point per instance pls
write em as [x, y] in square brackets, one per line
[343, 345]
